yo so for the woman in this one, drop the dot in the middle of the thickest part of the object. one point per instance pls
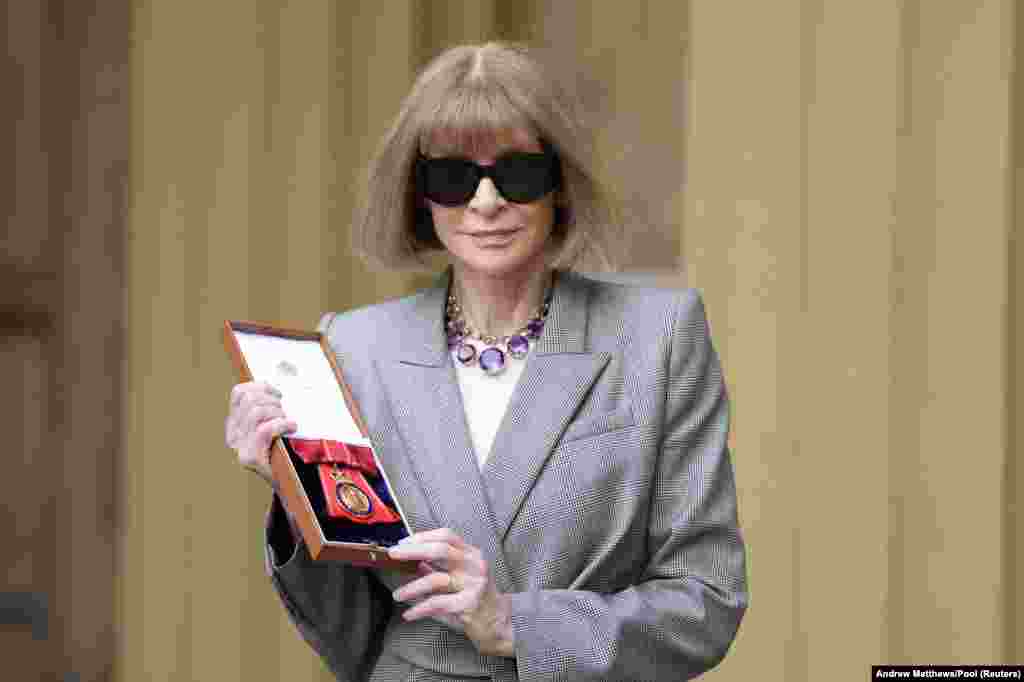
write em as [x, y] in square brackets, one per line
[558, 444]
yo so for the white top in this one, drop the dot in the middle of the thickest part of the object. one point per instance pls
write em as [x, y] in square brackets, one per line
[486, 398]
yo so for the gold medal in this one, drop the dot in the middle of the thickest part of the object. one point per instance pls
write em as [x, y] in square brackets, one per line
[350, 496]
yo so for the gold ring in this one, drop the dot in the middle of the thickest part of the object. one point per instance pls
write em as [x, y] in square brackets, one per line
[454, 584]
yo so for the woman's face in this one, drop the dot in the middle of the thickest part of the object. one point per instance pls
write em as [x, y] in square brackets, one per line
[490, 235]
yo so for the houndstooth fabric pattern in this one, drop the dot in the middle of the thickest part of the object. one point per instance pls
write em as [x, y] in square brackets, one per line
[606, 510]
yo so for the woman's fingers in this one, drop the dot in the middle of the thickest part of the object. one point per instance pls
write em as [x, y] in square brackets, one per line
[435, 552]
[242, 421]
[474, 607]
[429, 596]
[440, 535]
[272, 428]
[246, 396]
[255, 418]
[259, 414]
[250, 404]
[442, 606]
[437, 534]
[436, 581]
[265, 433]
[257, 457]
[239, 391]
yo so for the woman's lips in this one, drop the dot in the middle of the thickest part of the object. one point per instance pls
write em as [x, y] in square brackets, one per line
[494, 237]
[493, 233]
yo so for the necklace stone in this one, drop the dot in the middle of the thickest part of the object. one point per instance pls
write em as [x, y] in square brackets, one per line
[492, 358]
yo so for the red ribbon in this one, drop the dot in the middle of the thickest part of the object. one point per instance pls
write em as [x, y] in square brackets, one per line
[321, 451]
[342, 468]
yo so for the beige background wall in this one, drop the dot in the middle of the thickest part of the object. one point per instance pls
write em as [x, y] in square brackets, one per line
[850, 200]
[848, 210]
[63, 196]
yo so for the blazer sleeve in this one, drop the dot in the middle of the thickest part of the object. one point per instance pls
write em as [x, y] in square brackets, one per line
[681, 616]
[340, 610]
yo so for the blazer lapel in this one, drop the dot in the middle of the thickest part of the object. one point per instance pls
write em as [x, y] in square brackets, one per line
[426, 404]
[557, 377]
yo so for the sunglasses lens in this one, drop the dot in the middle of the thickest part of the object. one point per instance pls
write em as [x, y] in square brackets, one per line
[522, 178]
[448, 181]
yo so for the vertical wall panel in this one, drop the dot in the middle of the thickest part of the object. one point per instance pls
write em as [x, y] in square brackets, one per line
[23, 193]
[953, 241]
[28, 524]
[881, 371]
[1013, 537]
[301, 248]
[445, 23]
[229, 221]
[156, 587]
[369, 85]
[853, 109]
[88, 198]
[743, 248]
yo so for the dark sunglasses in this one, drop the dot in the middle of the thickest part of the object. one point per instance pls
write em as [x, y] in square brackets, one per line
[520, 177]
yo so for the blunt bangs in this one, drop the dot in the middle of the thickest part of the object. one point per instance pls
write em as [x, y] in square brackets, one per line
[466, 121]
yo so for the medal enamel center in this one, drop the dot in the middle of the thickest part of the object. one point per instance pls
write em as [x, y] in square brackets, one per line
[350, 496]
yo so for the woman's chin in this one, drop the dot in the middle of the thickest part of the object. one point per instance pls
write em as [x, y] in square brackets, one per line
[496, 263]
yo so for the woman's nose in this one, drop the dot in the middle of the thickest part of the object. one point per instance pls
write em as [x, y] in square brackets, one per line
[487, 198]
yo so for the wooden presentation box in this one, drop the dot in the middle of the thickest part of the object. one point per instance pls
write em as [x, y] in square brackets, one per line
[256, 350]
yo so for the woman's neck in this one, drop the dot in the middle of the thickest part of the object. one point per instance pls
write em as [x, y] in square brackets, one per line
[499, 305]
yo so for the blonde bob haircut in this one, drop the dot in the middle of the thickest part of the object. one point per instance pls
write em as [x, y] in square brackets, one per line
[469, 92]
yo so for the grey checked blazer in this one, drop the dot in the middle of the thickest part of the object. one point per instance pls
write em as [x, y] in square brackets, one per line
[607, 507]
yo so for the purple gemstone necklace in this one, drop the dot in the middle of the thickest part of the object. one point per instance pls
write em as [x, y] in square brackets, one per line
[491, 359]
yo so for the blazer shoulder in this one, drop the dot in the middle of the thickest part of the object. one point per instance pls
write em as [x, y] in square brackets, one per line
[640, 305]
[360, 323]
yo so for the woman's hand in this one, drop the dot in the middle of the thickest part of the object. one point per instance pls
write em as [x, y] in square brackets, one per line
[460, 587]
[255, 418]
